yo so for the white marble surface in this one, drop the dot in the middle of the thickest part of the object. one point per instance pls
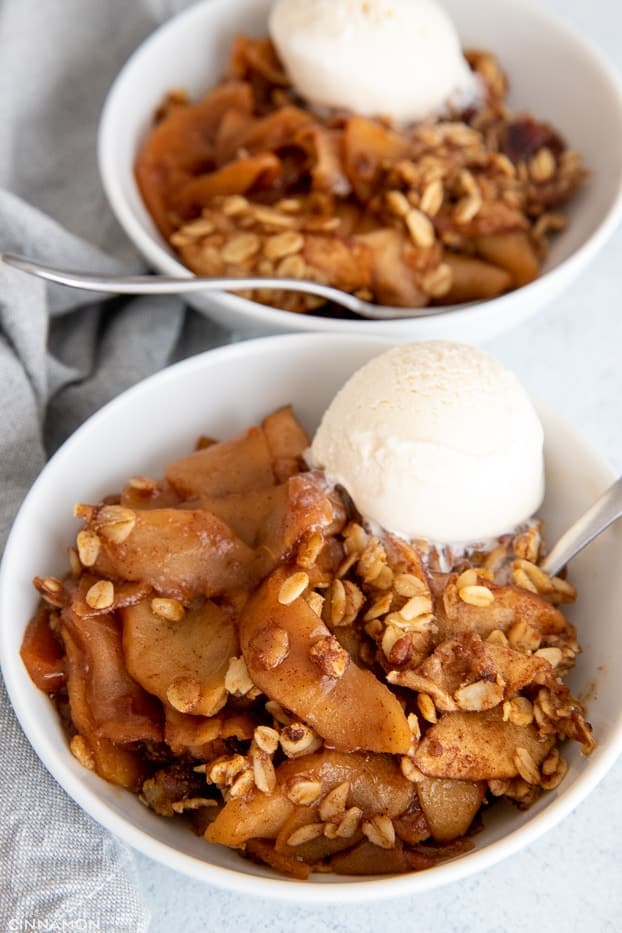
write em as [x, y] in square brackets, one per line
[571, 879]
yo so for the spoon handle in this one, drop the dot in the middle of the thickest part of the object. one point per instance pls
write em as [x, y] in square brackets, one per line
[175, 285]
[597, 518]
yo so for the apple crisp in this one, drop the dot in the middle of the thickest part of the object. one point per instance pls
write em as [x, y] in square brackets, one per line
[232, 644]
[250, 181]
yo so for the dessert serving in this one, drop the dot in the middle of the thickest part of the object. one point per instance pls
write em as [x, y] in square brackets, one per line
[358, 147]
[244, 646]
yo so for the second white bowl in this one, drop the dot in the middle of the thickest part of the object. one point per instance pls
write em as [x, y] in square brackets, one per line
[554, 74]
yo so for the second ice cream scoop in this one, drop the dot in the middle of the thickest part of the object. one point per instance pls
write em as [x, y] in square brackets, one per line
[395, 58]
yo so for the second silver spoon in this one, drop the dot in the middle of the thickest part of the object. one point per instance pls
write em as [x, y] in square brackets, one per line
[175, 285]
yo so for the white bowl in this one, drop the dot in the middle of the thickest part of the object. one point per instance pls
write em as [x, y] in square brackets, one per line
[554, 73]
[237, 385]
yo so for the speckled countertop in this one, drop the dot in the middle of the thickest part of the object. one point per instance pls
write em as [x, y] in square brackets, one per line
[571, 879]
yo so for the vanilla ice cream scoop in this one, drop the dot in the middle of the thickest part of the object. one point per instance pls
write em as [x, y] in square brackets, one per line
[394, 58]
[435, 440]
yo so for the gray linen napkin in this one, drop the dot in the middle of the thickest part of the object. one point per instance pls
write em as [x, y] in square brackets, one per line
[63, 355]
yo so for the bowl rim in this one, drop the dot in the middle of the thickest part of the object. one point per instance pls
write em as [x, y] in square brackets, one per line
[358, 890]
[532, 295]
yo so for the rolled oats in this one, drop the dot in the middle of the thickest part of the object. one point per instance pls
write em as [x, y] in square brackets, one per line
[89, 545]
[304, 792]
[467, 208]
[115, 523]
[263, 771]
[478, 696]
[237, 679]
[349, 823]
[299, 739]
[432, 198]
[477, 595]
[552, 655]
[337, 602]
[309, 550]
[100, 595]
[283, 244]
[542, 166]
[169, 609]
[234, 204]
[334, 804]
[518, 710]
[355, 538]
[293, 587]
[379, 607]
[267, 739]
[415, 607]
[305, 834]
[315, 601]
[438, 282]
[526, 766]
[426, 707]
[329, 656]
[240, 248]
[407, 584]
[380, 831]
[420, 228]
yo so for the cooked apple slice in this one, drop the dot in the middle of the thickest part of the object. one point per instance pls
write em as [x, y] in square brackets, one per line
[236, 465]
[264, 851]
[272, 520]
[376, 785]
[181, 143]
[511, 251]
[393, 273]
[478, 747]
[257, 816]
[287, 442]
[42, 653]
[118, 708]
[249, 513]
[178, 552]
[511, 604]
[186, 734]
[312, 675]
[366, 146]
[183, 663]
[474, 279]
[368, 859]
[234, 178]
[112, 762]
[449, 806]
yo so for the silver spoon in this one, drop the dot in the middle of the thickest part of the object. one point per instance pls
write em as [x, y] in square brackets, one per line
[173, 285]
[597, 518]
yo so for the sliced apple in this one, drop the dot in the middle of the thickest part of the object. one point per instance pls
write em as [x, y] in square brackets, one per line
[178, 552]
[449, 806]
[512, 251]
[287, 442]
[236, 465]
[477, 747]
[376, 786]
[183, 663]
[351, 711]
